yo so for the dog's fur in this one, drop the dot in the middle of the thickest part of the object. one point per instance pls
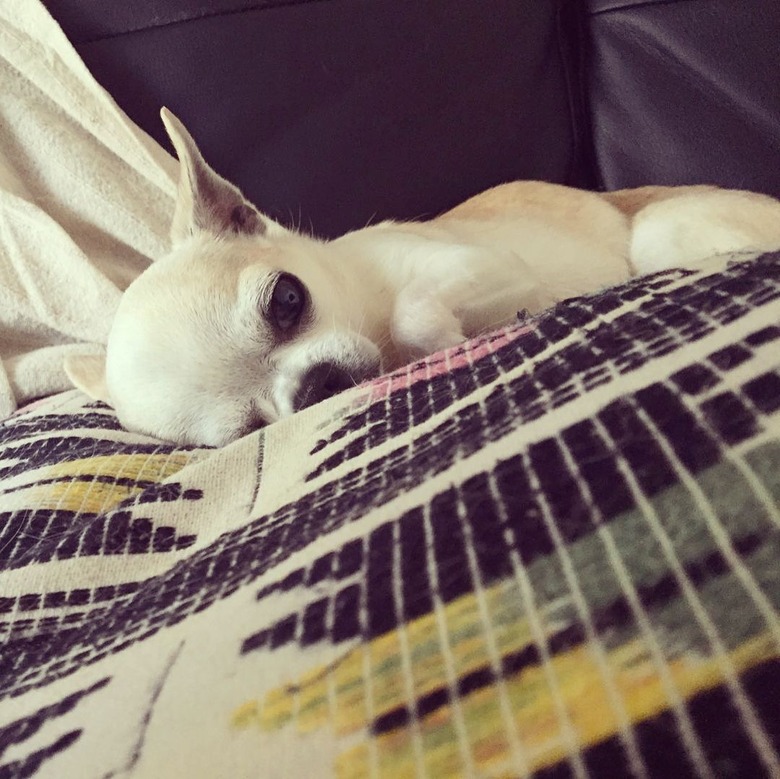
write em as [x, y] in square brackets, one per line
[199, 354]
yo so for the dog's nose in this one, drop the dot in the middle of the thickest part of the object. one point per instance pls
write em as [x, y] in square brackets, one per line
[326, 379]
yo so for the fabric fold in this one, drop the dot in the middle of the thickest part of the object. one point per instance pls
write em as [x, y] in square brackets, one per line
[86, 199]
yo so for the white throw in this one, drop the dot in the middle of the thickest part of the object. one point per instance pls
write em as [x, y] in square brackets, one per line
[86, 199]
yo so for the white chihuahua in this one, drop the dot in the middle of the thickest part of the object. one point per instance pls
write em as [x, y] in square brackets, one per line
[245, 322]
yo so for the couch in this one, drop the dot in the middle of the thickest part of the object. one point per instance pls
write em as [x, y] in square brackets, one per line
[550, 551]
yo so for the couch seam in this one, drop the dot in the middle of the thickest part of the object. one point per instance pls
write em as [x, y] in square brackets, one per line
[249, 7]
[628, 6]
[580, 119]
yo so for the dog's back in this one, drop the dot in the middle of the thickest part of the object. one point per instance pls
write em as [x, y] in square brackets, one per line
[656, 226]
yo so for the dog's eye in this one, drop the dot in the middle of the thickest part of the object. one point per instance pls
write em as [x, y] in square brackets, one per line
[288, 301]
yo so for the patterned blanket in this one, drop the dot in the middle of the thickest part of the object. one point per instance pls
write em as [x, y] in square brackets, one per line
[552, 551]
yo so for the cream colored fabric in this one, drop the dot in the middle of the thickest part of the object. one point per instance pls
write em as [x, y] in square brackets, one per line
[85, 201]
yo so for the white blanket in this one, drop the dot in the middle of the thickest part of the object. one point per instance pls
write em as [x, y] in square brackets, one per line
[85, 203]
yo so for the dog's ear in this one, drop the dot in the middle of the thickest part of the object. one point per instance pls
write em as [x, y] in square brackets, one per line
[88, 373]
[205, 201]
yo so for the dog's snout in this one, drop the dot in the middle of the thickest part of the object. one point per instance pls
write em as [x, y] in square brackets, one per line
[320, 382]
[324, 380]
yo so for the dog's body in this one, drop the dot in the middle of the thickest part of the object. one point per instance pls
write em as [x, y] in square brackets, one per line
[246, 322]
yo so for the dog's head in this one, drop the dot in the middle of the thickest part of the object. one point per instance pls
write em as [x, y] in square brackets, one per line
[242, 323]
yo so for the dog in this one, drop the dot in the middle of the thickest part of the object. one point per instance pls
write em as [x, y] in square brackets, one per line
[245, 322]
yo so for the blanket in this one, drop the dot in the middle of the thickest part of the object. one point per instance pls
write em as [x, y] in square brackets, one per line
[86, 200]
[551, 551]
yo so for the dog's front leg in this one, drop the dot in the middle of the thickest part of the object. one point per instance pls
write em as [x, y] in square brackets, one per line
[423, 324]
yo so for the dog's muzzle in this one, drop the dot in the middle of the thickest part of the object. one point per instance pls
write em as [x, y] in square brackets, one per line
[326, 379]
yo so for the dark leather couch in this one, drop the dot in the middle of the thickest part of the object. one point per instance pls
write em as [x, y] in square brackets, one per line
[333, 113]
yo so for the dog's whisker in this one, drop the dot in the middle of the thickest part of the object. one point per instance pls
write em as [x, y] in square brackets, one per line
[291, 220]
[370, 219]
[362, 322]
[384, 341]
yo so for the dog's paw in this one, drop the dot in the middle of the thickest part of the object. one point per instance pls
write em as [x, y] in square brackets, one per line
[422, 325]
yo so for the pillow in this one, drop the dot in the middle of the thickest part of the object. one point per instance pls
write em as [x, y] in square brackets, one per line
[551, 549]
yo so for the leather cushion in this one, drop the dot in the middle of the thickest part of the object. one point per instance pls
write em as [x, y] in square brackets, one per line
[330, 114]
[686, 92]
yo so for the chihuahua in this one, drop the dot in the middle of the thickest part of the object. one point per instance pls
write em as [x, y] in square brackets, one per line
[245, 321]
